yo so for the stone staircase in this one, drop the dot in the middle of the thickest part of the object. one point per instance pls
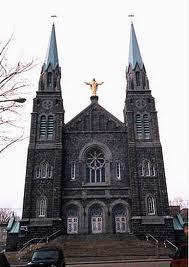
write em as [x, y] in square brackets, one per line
[98, 248]
[107, 247]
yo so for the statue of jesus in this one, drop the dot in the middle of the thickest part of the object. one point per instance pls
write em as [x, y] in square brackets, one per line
[94, 86]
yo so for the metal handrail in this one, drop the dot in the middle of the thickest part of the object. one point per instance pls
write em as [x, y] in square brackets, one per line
[27, 243]
[47, 240]
[151, 236]
[157, 243]
[170, 243]
[35, 239]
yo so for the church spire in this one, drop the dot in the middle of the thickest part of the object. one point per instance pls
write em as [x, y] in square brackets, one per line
[134, 51]
[52, 53]
[136, 73]
[51, 71]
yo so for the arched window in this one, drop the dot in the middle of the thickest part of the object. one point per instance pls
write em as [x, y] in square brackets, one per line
[137, 74]
[147, 168]
[42, 207]
[50, 126]
[44, 170]
[95, 166]
[118, 170]
[150, 202]
[72, 171]
[139, 126]
[43, 125]
[143, 81]
[37, 172]
[49, 78]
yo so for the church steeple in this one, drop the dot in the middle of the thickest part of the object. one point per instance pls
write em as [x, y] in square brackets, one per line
[134, 51]
[52, 53]
[136, 74]
[51, 72]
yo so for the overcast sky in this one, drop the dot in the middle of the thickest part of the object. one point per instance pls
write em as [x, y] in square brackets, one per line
[93, 41]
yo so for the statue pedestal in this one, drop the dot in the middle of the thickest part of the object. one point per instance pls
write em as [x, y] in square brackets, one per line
[94, 98]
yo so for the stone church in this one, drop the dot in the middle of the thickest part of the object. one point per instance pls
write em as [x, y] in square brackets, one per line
[95, 174]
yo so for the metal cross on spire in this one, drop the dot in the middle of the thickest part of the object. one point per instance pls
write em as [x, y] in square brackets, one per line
[131, 16]
[53, 17]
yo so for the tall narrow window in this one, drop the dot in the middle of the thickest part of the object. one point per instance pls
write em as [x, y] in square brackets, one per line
[146, 168]
[43, 125]
[143, 81]
[50, 127]
[118, 170]
[146, 126]
[139, 126]
[72, 171]
[37, 172]
[49, 79]
[44, 169]
[150, 205]
[42, 207]
[49, 171]
[137, 78]
[152, 170]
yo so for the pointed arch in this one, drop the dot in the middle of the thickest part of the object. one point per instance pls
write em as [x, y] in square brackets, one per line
[147, 168]
[41, 206]
[150, 204]
[44, 170]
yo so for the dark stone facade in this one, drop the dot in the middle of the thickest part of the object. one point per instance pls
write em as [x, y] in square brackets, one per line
[95, 174]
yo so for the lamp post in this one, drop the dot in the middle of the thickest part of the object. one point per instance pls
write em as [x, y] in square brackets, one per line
[18, 100]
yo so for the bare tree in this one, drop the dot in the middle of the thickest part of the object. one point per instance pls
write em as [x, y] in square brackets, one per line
[12, 84]
[179, 201]
[5, 215]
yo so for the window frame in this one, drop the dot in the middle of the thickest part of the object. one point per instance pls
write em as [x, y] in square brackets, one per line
[46, 127]
[95, 175]
[118, 171]
[72, 171]
[41, 209]
[150, 205]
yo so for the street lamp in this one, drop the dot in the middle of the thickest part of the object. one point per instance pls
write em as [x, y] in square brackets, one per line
[18, 100]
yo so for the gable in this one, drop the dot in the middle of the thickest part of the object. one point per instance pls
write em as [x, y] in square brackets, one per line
[94, 118]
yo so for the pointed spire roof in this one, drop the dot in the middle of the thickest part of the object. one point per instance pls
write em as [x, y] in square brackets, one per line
[134, 52]
[52, 53]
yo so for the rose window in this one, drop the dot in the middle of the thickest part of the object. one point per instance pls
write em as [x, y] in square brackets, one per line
[95, 167]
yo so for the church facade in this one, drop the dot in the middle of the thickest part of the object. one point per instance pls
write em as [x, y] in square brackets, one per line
[95, 174]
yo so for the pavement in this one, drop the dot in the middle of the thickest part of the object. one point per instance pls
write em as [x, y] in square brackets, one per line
[156, 263]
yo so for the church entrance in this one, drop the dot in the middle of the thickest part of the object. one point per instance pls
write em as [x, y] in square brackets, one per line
[96, 224]
[72, 225]
[96, 219]
[120, 218]
[120, 224]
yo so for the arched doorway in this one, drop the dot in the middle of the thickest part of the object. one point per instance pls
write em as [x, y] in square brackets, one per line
[120, 219]
[72, 220]
[96, 219]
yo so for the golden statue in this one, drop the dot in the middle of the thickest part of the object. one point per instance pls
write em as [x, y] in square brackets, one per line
[94, 86]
